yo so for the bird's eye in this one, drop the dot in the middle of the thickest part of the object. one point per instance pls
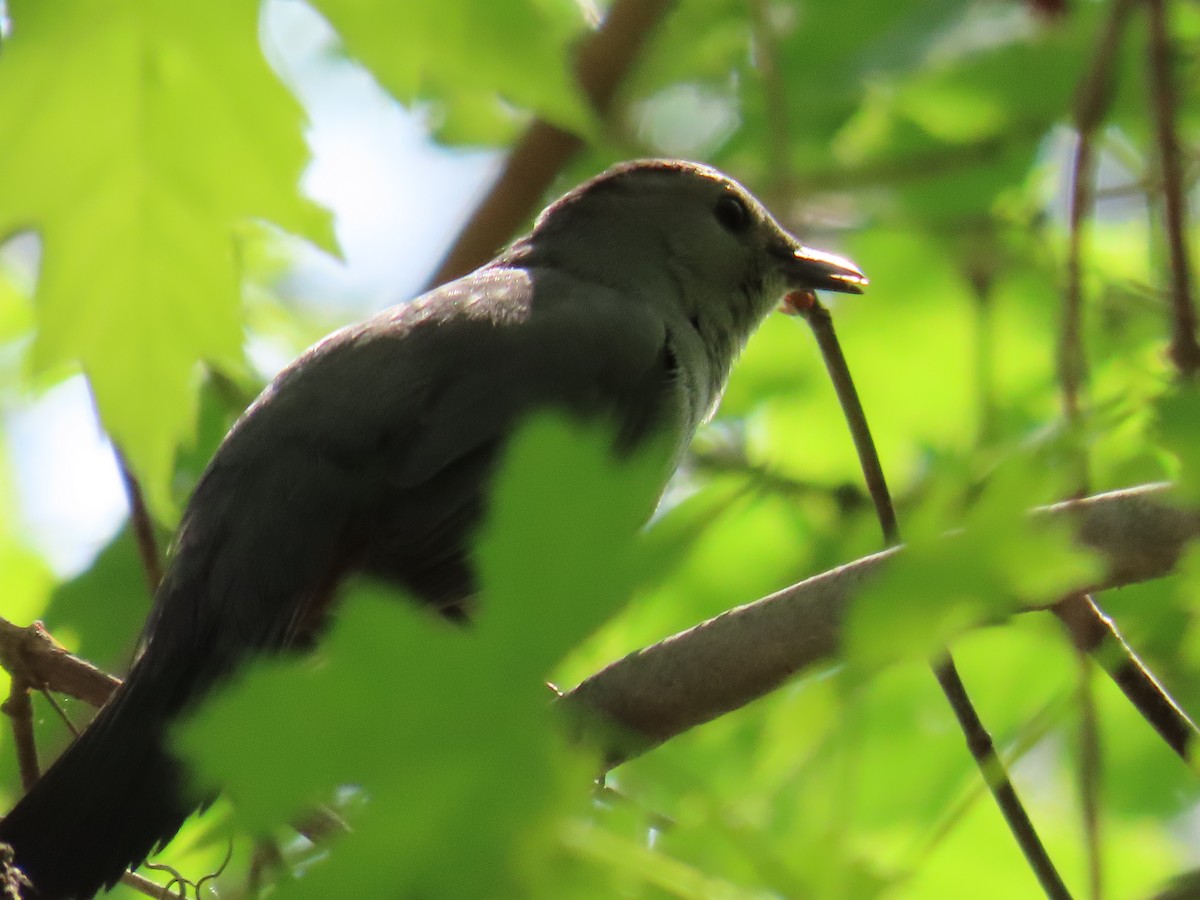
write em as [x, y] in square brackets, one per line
[731, 212]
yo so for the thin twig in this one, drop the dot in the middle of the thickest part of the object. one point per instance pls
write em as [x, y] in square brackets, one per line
[19, 709]
[1022, 741]
[1072, 362]
[1092, 102]
[1096, 633]
[1184, 350]
[604, 61]
[726, 662]
[1072, 374]
[48, 696]
[1093, 99]
[29, 653]
[821, 322]
[143, 527]
[979, 742]
[1089, 760]
[946, 159]
[150, 888]
[1089, 774]
[725, 459]
[983, 750]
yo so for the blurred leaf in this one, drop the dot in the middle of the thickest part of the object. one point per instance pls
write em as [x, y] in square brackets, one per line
[104, 605]
[940, 584]
[953, 137]
[16, 310]
[1177, 426]
[469, 739]
[138, 135]
[473, 59]
[561, 497]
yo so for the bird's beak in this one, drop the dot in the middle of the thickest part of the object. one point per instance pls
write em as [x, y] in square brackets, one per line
[807, 270]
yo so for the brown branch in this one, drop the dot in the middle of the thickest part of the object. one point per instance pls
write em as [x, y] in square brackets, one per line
[995, 776]
[1184, 350]
[1024, 739]
[143, 527]
[725, 663]
[1095, 634]
[603, 62]
[1092, 102]
[144, 885]
[1093, 99]
[821, 323]
[1072, 362]
[31, 655]
[1089, 766]
[19, 709]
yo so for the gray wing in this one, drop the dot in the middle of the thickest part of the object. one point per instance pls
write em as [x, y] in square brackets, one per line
[372, 452]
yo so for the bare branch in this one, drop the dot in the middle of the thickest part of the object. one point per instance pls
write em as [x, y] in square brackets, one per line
[1097, 635]
[723, 664]
[143, 527]
[726, 662]
[1093, 99]
[1184, 351]
[31, 655]
[19, 709]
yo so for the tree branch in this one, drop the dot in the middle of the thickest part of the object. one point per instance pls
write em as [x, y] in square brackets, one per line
[143, 527]
[727, 662]
[30, 655]
[720, 665]
[1078, 611]
[1096, 634]
[1184, 350]
[19, 709]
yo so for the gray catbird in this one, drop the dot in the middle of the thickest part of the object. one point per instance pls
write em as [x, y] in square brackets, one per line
[372, 453]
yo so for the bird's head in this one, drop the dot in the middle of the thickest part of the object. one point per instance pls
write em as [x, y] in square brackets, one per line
[685, 235]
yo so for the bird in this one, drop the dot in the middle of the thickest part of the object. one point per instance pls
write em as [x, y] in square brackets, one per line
[373, 452]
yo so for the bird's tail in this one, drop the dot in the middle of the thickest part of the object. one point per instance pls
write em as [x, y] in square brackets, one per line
[106, 803]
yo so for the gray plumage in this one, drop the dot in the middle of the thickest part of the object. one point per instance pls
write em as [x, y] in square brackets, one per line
[629, 301]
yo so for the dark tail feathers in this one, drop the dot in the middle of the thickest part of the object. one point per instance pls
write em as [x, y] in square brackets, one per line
[106, 803]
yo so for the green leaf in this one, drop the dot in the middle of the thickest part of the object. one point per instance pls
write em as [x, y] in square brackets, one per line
[137, 136]
[105, 604]
[16, 310]
[476, 59]
[563, 534]
[959, 130]
[452, 721]
[941, 583]
[1177, 426]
